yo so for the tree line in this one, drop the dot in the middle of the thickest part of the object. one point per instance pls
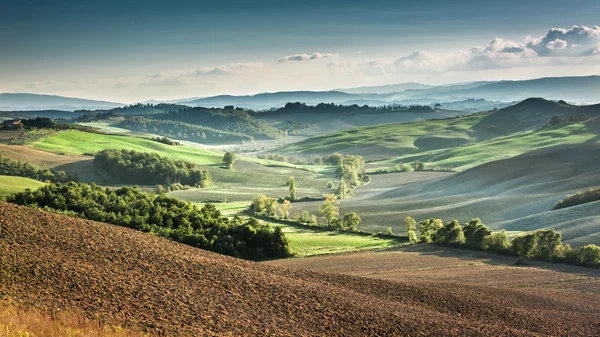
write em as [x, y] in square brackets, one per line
[181, 130]
[543, 244]
[9, 167]
[227, 119]
[158, 214]
[132, 167]
[579, 198]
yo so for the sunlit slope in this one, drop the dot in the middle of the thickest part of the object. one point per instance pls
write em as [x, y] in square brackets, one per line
[391, 140]
[516, 194]
[10, 184]
[468, 156]
[122, 276]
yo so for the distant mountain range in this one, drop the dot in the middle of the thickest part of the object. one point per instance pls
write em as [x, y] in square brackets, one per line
[472, 96]
[29, 102]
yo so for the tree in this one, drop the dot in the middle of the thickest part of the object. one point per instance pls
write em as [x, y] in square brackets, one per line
[475, 234]
[418, 166]
[263, 205]
[428, 229]
[411, 226]
[351, 221]
[555, 120]
[589, 255]
[285, 208]
[450, 234]
[304, 216]
[497, 242]
[228, 159]
[292, 187]
[341, 190]
[329, 210]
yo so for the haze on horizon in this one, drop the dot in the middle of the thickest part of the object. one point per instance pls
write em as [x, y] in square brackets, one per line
[130, 51]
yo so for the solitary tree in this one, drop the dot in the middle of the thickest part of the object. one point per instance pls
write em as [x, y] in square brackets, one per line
[292, 186]
[589, 255]
[341, 190]
[329, 210]
[351, 221]
[411, 226]
[228, 159]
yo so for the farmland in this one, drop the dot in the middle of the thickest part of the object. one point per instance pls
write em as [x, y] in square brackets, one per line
[164, 287]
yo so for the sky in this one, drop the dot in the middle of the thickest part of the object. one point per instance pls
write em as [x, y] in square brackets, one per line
[132, 51]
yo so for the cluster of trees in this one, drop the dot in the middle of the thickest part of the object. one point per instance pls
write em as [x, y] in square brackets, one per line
[95, 116]
[143, 168]
[227, 119]
[165, 140]
[543, 244]
[329, 211]
[158, 214]
[351, 172]
[184, 131]
[581, 197]
[9, 167]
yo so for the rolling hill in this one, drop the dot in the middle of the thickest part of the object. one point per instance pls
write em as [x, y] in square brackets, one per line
[460, 142]
[126, 277]
[22, 101]
[577, 89]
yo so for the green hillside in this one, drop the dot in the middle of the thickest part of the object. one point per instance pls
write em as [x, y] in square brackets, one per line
[10, 184]
[398, 139]
[468, 156]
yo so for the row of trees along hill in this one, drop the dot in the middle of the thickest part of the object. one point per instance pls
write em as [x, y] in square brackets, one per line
[229, 119]
[9, 167]
[543, 244]
[183, 131]
[158, 214]
[144, 168]
[324, 108]
[329, 211]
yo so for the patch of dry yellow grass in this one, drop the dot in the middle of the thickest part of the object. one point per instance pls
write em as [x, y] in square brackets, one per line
[18, 322]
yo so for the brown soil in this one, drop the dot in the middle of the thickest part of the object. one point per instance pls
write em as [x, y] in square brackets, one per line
[127, 277]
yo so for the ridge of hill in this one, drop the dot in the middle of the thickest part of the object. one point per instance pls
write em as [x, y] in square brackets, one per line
[56, 262]
[24, 101]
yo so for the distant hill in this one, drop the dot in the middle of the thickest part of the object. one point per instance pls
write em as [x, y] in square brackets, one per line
[272, 100]
[384, 89]
[576, 89]
[21, 101]
[533, 113]
[125, 277]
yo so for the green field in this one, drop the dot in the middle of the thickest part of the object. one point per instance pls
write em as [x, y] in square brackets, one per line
[468, 156]
[307, 242]
[9, 184]
[398, 139]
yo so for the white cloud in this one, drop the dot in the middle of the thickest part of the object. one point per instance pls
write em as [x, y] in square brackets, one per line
[587, 39]
[557, 44]
[305, 57]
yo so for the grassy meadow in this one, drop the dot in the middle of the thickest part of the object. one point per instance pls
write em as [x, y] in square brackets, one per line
[10, 185]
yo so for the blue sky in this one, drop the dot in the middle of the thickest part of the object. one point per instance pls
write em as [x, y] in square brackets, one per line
[136, 50]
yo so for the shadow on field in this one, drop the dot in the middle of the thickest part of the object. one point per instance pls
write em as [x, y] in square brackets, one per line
[492, 259]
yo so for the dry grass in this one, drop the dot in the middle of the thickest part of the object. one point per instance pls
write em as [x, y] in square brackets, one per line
[18, 322]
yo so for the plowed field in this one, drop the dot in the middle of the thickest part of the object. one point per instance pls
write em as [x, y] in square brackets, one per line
[55, 262]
